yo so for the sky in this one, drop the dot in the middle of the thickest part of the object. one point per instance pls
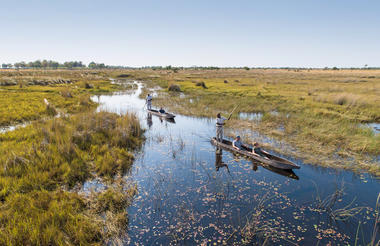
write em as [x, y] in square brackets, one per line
[225, 33]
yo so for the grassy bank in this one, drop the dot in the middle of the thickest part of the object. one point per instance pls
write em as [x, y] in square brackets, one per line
[42, 162]
[43, 165]
[321, 112]
[22, 93]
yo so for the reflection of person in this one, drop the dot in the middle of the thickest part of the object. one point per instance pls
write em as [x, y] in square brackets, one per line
[254, 166]
[149, 120]
[237, 144]
[149, 101]
[256, 150]
[219, 126]
[218, 160]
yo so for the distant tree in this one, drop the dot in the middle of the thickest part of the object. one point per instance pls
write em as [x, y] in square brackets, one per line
[4, 65]
[246, 68]
[68, 65]
[54, 64]
[335, 68]
[19, 65]
[92, 65]
[36, 64]
[44, 64]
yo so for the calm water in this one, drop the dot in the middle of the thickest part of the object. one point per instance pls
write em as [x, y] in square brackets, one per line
[191, 194]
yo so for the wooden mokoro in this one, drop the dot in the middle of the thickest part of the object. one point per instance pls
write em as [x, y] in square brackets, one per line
[271, 160]
[164, 115]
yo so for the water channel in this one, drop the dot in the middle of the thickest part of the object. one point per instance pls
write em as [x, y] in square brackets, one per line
[189, 193]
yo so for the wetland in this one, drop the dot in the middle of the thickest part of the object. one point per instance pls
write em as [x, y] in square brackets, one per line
[123, 176]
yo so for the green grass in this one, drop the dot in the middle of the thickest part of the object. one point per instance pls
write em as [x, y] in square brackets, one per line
[24, 102]
[43, 164]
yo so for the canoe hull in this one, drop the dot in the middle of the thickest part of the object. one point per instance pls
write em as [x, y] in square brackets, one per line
[271, 160]
[164, 115]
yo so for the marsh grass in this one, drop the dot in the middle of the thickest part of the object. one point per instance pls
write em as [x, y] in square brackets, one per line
[22, 100]
[376, 225]
[319, 111]
[329, 205]
[40, 162]
[373, 241]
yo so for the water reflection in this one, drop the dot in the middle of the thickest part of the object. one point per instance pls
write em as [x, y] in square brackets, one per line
[250, 116]
[149, 120]
[286, 173]
[219, 160]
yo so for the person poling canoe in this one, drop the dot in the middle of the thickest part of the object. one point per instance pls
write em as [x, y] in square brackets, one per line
[149, 101]
[219, 126]
[220, 123]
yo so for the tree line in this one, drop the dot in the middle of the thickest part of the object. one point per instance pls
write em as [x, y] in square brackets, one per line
[48, 64]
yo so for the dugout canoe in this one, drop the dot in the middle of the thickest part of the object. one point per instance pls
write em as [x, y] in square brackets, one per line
[164, 115]
[271, 160]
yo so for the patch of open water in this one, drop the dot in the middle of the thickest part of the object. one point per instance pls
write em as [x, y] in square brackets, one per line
[250, 116]
[5, 129]
[190, 193]
[375, 127]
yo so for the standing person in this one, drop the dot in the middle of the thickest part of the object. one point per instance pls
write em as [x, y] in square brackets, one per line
[219, 126]
[149, 101]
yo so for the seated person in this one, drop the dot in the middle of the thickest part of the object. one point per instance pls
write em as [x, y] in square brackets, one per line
[258, 151]
[162, 111]
[237, 144]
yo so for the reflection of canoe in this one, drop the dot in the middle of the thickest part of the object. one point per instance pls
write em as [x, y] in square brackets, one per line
[170, 120]
[284, 172]
[164, 115]
[271, 160]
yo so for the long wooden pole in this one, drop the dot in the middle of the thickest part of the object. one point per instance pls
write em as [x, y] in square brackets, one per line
[233, 111]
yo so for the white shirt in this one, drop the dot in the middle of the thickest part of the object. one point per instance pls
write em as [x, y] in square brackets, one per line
[149, 98]
[220, 121]
[237, 143]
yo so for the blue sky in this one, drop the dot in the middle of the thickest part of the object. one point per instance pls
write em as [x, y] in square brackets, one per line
[307, 33]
